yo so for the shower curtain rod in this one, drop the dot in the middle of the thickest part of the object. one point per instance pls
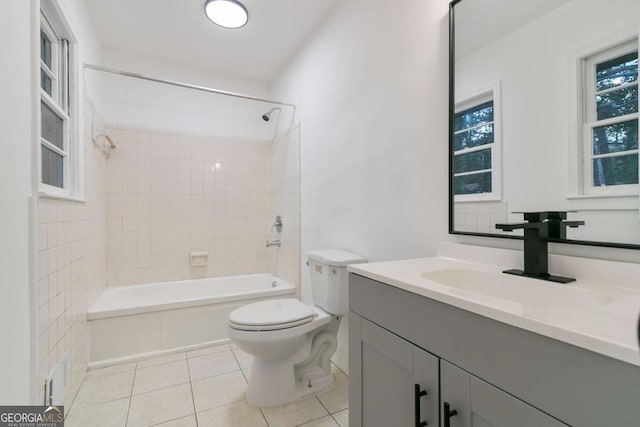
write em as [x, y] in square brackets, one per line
[185, 85]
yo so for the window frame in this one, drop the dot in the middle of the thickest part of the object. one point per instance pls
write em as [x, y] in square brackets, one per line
[488, 94]
[589, 121]
[64, 101]
[52, 72]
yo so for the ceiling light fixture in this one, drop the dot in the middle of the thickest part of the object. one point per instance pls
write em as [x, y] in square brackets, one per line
[226, 13]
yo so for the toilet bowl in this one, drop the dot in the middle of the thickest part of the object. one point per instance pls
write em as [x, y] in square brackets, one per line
[278, 348]
[292, 342]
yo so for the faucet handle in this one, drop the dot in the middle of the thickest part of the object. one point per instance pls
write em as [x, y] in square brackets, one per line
[512, 226]
[277, 224]
[573, 224]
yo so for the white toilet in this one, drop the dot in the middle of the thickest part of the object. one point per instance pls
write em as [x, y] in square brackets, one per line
[292, 343]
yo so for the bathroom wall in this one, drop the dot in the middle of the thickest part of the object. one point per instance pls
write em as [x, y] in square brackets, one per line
[26, 354]
[71, 240]
[173, 193]
[549, 46]
[285, 201]
[16, 297]
[374, 146]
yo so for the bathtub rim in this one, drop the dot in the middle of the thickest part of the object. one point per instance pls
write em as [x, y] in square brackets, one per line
[288, 289]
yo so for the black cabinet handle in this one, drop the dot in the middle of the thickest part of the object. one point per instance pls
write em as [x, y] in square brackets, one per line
[448, 414]
[417, 394]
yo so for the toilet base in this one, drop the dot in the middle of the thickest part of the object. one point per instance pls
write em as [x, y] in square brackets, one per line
[273, 385]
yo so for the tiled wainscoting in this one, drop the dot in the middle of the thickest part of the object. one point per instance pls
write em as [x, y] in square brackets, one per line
[71, 267]
[203, 388]
[479, 217]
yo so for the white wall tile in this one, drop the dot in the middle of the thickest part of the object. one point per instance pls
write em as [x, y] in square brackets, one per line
[181, 193]
[72, 267]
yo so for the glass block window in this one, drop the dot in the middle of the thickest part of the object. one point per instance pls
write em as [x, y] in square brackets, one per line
[611, 120]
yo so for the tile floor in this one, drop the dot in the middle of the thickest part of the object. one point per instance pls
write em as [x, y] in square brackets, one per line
[200, 388]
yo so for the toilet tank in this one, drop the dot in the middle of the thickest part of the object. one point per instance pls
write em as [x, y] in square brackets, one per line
[329, 278]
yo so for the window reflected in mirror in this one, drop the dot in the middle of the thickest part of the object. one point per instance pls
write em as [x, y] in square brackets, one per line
[545, 116]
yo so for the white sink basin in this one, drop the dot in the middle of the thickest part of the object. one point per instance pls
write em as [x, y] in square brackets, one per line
[515, 289]
[559, 304]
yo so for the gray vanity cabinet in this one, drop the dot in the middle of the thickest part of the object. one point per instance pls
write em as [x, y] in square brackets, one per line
[492, 373]
[479, 404]
[395, 376]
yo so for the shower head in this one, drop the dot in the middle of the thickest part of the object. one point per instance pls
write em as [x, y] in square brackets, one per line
[267, 116]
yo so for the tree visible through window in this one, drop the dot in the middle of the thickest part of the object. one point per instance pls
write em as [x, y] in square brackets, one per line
[611, 137]
[474, 137]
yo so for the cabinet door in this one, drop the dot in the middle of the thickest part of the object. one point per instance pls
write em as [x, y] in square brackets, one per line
[388, 377]
[479, 404]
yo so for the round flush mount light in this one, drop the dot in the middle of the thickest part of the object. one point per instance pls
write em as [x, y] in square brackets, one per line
[226, 13]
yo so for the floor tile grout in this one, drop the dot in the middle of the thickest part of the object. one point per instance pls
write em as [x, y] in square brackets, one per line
[99, 403]
[173, 419]
[135, 371]
[322, 404]
[190, 380]
[193, 399]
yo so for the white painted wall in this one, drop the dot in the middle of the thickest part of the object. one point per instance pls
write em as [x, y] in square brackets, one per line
[371, 87]
[80, 20]
[155, 106]
[16, 369]
[534, 67]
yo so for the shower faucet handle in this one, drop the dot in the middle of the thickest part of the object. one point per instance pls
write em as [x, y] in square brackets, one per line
[277, 224]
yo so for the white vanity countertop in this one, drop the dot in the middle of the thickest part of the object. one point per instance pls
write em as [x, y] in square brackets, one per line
[591, 314]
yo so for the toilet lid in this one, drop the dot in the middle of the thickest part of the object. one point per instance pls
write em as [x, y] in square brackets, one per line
[272, 313]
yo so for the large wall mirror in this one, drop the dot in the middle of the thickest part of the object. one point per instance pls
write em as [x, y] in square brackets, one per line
[544, 116]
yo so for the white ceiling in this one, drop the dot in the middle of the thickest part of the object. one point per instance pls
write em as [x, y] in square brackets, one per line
[178, 30]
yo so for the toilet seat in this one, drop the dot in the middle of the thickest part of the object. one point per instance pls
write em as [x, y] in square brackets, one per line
[271, 315]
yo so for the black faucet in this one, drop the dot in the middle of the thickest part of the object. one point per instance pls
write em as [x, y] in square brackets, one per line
[540, 228]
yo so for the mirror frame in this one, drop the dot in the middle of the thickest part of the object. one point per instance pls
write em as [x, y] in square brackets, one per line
[452, 5]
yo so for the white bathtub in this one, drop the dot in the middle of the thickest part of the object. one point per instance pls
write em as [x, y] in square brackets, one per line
[139, 321]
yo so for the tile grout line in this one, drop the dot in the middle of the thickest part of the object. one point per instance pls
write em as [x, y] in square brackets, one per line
[193, 398]
[334, 418]
[206, 354]
[172, 419]
[264, 417]
[239, 366]
[189, 381]
[314, 419]
[102, 402]
[321, 404]
[135, 371]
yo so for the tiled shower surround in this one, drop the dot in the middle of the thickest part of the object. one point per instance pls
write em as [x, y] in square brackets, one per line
[171, 194]
[285, 200]
[149, 203]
